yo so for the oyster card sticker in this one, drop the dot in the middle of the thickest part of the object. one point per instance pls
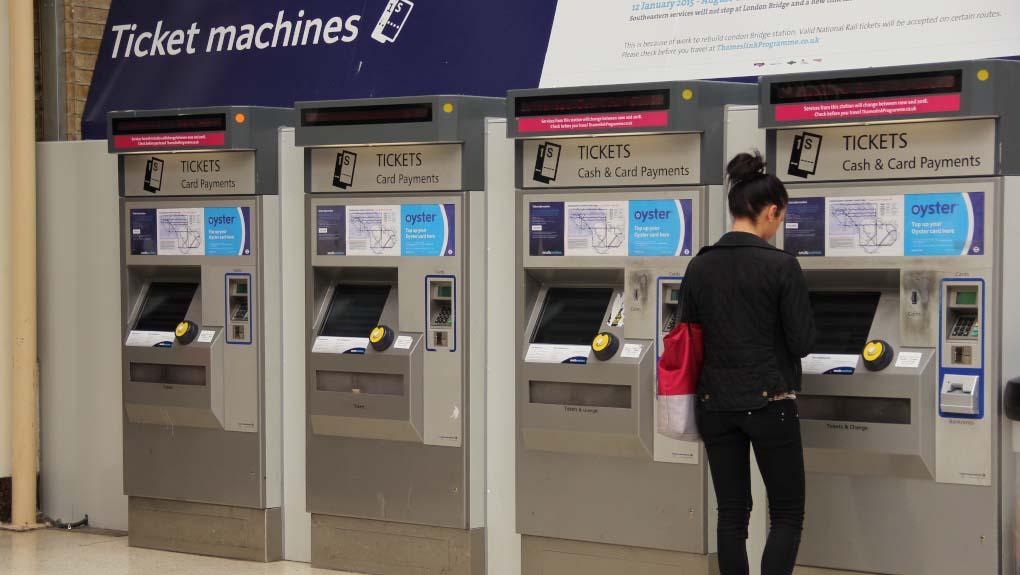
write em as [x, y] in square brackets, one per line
[945, 224]
[652, 160]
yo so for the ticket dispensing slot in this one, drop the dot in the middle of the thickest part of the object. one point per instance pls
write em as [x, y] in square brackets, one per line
[860, 413]
[365, 387]
[584, 395]
[173, 375]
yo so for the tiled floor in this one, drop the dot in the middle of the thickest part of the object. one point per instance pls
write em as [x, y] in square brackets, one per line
[53, 552]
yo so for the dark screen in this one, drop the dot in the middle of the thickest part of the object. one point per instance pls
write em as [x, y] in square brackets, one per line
[170, 124]
[572, 316]
[592, 103]
[166, 305]
[941, 82]
[843, 320]
[355, 310]
[365, 115]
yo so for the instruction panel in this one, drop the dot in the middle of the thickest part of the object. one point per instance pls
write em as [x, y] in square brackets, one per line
[657, 227]
[186, 231]
[386, 230]
[913, 225]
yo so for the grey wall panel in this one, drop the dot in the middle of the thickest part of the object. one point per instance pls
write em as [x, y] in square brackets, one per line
[79, 334]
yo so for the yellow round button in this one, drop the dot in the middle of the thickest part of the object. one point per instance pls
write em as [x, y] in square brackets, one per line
[448, 107]
[377, 334]
[687, 94]
[983, 75]
[182, 329]
[600, 343]
[873, 351]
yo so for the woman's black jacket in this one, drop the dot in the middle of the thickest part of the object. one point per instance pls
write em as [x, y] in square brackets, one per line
[752, 302]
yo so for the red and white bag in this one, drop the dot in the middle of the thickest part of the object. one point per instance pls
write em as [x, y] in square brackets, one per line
[679, 370]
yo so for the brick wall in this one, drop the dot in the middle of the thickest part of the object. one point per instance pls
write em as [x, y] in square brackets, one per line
[84, 21]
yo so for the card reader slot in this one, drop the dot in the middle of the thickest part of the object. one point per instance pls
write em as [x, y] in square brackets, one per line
[893, 410]
[167, 374]
[360, 383]
[580, 394]
[166, 305]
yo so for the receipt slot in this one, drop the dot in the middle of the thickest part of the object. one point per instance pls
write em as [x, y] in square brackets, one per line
[898, 179]
[200, 307]
[614, 185]
[396, 241]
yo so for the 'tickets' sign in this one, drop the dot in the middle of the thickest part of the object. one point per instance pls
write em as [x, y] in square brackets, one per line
[656, 160]
[190, 174]
[430, 167]
[887, 151]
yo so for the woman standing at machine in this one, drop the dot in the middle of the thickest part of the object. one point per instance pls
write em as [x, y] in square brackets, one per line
[751, 300]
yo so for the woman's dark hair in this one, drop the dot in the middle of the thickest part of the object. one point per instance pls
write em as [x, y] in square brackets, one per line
[751, 189]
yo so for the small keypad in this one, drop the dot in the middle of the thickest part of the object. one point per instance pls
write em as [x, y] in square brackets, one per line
[964, 327]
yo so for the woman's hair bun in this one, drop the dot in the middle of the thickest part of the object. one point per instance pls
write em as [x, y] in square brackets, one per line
[746, 167]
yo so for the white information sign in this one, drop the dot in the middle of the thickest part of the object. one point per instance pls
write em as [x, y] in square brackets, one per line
[909, 359]
[550, 353]
[387, 168]
[324, 344]
[887, 151]
[138, 338]
[654, 160]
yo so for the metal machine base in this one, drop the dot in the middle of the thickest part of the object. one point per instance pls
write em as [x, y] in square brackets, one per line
[203, 529]
[384, 548]
[543, 556]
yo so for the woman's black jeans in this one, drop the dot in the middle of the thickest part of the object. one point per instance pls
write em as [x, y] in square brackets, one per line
[774, 434]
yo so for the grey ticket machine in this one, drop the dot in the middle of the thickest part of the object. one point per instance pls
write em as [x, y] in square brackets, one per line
[613, 188]
[395, 232]
[898, 179]
[200, 289]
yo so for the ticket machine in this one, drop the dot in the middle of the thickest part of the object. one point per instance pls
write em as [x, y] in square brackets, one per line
[898, 179]
[200, 289]
[395, 210]
[613, 188]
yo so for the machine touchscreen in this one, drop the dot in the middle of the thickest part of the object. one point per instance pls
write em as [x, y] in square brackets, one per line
[166, 305]
[355, 310]
[843, 320]
[572, 316]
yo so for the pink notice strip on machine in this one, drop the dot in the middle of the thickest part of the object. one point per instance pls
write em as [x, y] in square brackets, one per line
[877, 107]
[610, 121]
[188, 140]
